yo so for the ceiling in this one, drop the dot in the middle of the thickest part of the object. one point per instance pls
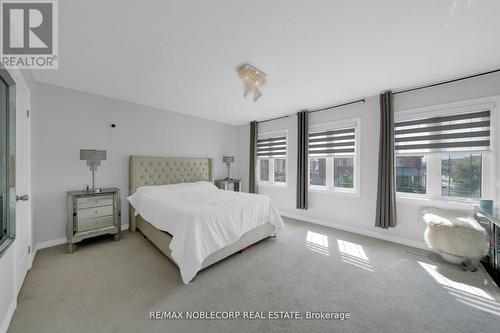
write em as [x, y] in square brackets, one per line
[182, 56]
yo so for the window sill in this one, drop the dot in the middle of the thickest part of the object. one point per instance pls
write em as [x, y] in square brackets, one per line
[330, 192]
[426, 201]
[277, 185]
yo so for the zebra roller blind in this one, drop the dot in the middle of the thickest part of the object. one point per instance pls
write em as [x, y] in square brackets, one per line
[459, 132]
[330, 142]
[274, 147]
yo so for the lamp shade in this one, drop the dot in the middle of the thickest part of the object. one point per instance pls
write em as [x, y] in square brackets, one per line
[92, 155]
[228, 159]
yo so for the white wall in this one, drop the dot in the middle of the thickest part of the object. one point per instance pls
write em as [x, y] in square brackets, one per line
[357, 213]
[66, 121]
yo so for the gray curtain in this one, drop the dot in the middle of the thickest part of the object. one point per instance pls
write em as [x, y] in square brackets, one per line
[386, 194]
[302, 158]
[254, 134]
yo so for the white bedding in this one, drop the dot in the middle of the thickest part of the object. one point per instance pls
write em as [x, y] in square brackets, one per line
[201, 218]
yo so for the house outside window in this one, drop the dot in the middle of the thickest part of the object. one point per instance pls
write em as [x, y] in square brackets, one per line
[411, 174]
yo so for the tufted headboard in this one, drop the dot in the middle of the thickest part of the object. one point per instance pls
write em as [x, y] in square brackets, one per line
[150, 170]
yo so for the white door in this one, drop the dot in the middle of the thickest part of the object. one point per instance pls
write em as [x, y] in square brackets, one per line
[23, 240]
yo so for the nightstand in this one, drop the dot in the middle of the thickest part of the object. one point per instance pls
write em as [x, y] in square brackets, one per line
[93, 214]
[229, 184]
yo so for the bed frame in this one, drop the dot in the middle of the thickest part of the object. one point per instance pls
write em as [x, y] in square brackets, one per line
[149, 170]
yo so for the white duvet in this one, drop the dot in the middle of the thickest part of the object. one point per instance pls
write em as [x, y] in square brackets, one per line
[201, 218]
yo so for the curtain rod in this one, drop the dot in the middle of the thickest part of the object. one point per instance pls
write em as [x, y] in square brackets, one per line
[337, 106]
[445, 82]
[394, 93]
[316, 110]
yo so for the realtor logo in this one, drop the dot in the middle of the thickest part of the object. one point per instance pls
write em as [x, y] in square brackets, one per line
[29, 34]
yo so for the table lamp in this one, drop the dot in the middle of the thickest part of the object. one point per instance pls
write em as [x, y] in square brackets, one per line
[93, 158]
[228, 160]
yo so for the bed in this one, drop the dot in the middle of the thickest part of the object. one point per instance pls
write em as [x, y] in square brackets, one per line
[161, 206]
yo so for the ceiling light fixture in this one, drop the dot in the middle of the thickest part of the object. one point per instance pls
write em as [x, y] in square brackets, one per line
[252, 79]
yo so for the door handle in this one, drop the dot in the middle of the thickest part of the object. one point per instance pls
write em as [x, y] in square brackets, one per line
[24, 197]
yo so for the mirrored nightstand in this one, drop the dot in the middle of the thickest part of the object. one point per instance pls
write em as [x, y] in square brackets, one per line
[92, 214]
[229, 184]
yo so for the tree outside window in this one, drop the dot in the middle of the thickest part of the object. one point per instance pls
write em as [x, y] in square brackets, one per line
[461, 175]
[343, 171]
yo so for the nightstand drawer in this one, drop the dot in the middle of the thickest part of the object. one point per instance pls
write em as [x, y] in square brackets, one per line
[94, 223]
[94, 212]
[101, 200]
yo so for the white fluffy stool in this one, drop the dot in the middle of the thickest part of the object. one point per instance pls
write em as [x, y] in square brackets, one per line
[454, 234]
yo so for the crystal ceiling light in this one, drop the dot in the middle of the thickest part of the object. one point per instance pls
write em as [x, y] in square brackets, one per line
[252, 79]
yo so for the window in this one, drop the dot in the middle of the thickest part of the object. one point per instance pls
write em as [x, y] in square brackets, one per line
[461, 175]
[411, 174]
[343, 172]
[332, 157]
[317, 171]
[7, 160]
[264, 170]
[444, 154]
[280, 170]
[271, 156]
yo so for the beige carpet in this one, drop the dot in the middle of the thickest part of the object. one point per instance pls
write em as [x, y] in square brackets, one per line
[111, 286]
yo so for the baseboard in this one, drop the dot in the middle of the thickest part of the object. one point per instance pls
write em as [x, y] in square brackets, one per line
[8, 316]
[50, 243]
[33, 255]
[389, 238]
[59, 241]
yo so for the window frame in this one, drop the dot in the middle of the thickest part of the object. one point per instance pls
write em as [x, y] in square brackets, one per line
[330, 181]
[433, 168]
[7, 239]
[271, 181]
